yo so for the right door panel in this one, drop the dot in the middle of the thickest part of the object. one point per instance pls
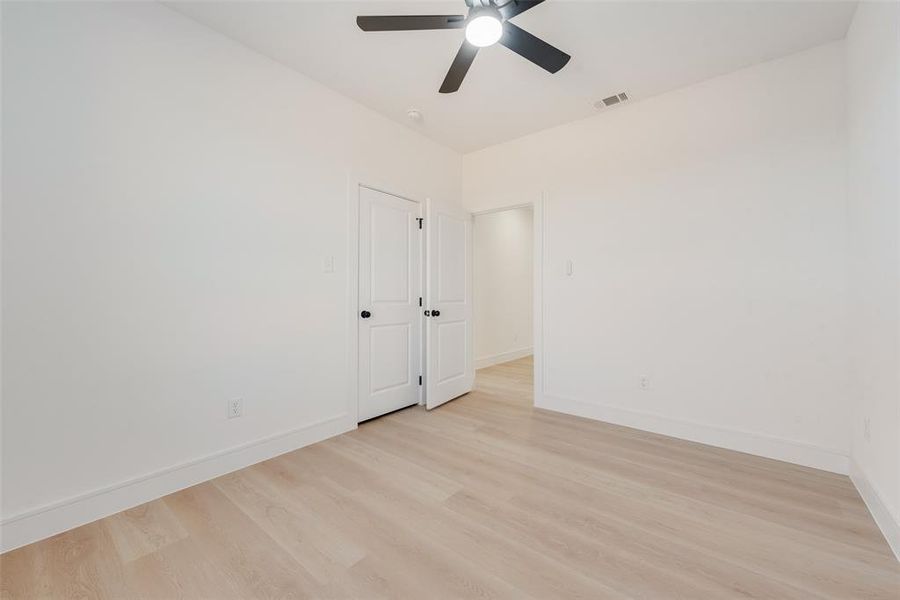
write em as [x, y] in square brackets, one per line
[450, 366]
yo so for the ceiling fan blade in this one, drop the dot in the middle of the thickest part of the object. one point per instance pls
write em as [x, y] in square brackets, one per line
[517, 7]
[459, 68]
[410, 22]
[533, 48]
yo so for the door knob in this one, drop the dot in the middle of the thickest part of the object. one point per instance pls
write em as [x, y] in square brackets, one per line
[365, 314]
[435, 313]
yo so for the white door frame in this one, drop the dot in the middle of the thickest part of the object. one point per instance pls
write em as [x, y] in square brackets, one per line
[354, 183]
[538, 207]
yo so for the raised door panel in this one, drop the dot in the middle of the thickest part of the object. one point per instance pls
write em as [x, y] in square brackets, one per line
[391, 247]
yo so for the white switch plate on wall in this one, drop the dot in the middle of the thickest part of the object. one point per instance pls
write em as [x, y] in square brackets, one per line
[328, 264]
[235, 408]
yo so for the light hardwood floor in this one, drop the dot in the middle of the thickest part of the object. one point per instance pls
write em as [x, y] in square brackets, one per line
[484, 497]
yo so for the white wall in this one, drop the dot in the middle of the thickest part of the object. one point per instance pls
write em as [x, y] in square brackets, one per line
[708, 232]
[873, 83]
[168, 200]
[504, 269]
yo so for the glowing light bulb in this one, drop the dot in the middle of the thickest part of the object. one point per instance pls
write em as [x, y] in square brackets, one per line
[484, 30]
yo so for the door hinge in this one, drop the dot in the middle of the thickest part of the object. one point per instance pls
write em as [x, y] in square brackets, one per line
[420, 380]
[420, 220]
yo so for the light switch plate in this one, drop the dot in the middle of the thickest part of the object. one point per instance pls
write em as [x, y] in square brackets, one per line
[235, 408]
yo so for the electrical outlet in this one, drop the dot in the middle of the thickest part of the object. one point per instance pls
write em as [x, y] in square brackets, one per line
[867, 429]
[235, 408]
[644, 382]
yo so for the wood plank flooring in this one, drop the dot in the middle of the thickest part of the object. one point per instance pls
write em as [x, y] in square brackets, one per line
[485, 497]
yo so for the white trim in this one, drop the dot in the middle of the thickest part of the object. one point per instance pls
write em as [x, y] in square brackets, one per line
[888, 524]
[538, 309]
[502, 357]
[489, 211]
[800, 453]
[42, 522]
[353, 297]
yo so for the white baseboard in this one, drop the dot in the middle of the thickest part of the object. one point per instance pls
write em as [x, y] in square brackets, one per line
[752, 443]
[496, 359]
[888, 523]
[45, 521]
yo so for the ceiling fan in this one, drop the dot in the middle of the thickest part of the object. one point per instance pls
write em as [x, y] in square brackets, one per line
[487, 23]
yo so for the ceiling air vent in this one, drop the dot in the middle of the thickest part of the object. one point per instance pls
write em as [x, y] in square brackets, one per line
[611, 100]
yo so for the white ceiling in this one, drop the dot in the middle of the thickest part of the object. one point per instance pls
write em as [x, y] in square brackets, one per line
[643, 48]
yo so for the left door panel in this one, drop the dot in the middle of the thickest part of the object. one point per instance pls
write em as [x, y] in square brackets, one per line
[389, 315]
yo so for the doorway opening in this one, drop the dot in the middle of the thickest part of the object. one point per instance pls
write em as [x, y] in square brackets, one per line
[504, 303]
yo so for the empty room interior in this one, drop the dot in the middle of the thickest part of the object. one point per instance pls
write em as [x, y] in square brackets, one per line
[447, 299]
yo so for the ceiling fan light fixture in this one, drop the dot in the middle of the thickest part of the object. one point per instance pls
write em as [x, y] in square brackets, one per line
[484, 28]
[487, 23]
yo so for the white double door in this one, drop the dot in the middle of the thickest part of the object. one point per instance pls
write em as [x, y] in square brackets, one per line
[406, 357]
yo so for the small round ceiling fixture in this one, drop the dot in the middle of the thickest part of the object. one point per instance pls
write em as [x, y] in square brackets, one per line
[484, 27]
[414, 115]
